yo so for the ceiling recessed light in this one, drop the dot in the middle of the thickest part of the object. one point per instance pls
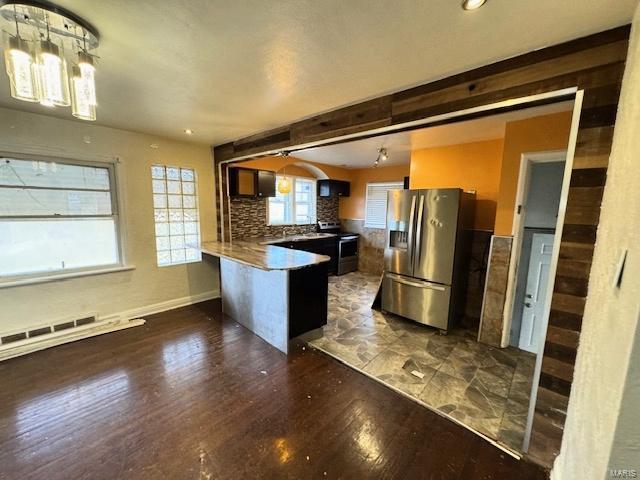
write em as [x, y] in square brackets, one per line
[188, 131]
[473, 4]
[154, 145]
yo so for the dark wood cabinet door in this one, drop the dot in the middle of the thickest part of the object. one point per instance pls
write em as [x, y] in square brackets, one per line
[248, 182]
[331, 188]
[324, 188]
[266, 183]
[308, 297]
[342, 189]
[242, 182]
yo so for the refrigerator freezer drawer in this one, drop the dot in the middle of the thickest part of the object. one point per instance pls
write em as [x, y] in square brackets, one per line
[421, 301]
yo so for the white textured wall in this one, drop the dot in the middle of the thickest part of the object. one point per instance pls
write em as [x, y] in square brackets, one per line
[611, 315]
[21, 307]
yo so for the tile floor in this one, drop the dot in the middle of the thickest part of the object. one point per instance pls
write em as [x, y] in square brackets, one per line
[483, 387]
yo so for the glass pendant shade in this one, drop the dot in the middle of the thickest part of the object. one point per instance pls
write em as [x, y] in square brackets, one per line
[88, 71]
[81, 106]
[52, 76]
[284, 185]
[21, 70]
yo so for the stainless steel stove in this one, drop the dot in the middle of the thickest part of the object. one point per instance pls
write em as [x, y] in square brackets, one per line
[347, 246]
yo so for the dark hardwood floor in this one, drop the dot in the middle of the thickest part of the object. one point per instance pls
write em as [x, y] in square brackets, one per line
[191, 395]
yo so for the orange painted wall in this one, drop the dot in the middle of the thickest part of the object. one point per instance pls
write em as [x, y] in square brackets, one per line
[471, 166]
[352, 207]
[548, 132]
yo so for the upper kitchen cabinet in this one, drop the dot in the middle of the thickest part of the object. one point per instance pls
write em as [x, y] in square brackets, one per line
[266, 183]
[333, 188]
[248, 182]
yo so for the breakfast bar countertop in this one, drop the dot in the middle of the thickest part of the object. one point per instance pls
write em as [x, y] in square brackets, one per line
[259, 254]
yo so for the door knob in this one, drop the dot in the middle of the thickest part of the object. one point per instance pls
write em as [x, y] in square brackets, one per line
[528, 295]
[527, 304]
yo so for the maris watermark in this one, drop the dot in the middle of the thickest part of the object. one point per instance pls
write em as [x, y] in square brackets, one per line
[623, 473]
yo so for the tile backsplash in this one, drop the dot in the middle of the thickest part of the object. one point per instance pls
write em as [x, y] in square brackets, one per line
[249, 217]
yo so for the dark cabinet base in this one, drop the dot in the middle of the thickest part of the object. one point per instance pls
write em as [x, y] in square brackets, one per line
[322, 246]
[308, 297]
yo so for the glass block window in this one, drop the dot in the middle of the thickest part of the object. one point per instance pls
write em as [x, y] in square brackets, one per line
[175, 207]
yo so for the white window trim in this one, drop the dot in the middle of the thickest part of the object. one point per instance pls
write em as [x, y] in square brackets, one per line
[113, 164]
[392, 185]
[314, 202]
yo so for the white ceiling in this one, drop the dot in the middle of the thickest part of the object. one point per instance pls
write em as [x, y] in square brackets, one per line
[229, 68]
[362, 153]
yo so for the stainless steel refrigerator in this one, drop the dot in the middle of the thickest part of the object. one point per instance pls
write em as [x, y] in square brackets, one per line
[426, 258]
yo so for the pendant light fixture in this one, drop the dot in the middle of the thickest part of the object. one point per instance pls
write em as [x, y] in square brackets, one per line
[52, 75]
[81, 106]
[20, 67]
[87, 72]
[284, 184]
[60, 38]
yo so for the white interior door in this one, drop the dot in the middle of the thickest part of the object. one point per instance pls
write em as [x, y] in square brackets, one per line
[535, 293]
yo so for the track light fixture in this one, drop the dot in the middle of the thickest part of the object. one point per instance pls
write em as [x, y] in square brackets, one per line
[383, 156]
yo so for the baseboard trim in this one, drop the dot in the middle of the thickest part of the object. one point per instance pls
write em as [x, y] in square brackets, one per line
[169, 305]
[111, 323]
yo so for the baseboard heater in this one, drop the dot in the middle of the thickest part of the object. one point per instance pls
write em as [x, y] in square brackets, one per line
[13, 344]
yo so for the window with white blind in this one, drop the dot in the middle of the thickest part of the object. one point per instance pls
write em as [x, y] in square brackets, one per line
[57, 217]
[176, 216]
[297, 207]
[376, 203]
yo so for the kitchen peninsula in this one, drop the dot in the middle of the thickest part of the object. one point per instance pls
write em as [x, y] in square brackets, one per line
[276, 292]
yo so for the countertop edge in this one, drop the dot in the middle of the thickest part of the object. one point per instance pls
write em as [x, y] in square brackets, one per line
[324, 259]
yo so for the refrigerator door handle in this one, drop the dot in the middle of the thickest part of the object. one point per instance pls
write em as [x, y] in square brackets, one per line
[418, 243]
[404, 281]
[411, 223]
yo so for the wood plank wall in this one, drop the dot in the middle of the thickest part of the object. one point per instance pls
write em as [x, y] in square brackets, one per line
[595, 64]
